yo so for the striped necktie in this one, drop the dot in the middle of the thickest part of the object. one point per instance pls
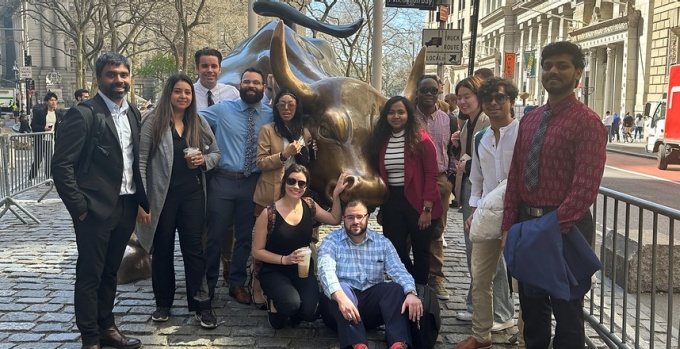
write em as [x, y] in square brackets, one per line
[250, 143]
[534, 159]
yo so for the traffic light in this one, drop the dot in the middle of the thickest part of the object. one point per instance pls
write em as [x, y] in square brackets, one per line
[28, 62]
[32, 85]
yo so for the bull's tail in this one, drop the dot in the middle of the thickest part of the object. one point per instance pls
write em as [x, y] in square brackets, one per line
[289, 15]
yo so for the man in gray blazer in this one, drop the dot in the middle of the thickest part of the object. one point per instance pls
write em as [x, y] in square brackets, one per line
[96, 173]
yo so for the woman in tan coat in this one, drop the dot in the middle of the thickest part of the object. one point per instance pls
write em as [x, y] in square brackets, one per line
[280, 144]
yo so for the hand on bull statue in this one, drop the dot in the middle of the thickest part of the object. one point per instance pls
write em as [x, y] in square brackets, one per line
[340, 186]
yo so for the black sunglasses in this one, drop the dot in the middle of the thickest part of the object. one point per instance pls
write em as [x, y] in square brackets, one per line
[430, 90]
[292, 181]
[499, 98]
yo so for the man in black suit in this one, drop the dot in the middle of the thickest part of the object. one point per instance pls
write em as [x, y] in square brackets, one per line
[46, 118]
[96, 172]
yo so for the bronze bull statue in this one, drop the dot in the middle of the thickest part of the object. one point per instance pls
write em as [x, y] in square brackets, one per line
[340, 113]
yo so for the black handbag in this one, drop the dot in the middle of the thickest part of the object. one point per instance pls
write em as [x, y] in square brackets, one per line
[425, 331]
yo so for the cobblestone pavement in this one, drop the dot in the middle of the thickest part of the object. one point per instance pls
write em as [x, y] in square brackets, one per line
[37, 266]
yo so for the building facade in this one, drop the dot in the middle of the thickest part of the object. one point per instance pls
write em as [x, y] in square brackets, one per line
[629, 46]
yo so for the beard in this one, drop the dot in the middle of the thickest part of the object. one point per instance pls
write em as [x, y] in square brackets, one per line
[108, 91]
[349, 231]
[259, 94]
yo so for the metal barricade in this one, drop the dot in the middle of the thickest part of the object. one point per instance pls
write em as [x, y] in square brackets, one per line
[26, 160]
[631, 305]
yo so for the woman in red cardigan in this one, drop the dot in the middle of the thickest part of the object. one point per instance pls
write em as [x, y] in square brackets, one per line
[406, 159]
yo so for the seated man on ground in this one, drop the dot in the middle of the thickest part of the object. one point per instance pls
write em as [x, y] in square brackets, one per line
[352, 263]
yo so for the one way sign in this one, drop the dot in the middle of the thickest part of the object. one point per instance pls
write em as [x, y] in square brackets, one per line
[449, 58]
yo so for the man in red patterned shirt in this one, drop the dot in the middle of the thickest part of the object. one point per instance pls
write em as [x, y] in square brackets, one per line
[571, 156]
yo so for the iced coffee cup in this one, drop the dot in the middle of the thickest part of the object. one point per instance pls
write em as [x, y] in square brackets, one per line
[303, 267]
[188, 153]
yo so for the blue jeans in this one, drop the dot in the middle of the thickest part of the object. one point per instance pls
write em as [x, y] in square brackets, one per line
[229, 197]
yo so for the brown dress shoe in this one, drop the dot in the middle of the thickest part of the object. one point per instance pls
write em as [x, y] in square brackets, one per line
[240, 295]
[113, 338]
[471, 343]
[93, 346]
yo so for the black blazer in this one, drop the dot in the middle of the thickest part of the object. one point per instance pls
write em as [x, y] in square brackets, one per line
[95, 192]
[39, 119]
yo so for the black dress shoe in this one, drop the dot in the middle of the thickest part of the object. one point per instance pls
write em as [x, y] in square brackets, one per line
[113, 338]
[93, 346]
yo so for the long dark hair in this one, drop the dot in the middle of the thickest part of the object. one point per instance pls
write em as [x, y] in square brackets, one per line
[163, 114]
[293, 131]
[294, 168]
[383, 131]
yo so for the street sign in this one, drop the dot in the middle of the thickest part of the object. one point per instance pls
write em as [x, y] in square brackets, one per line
[419, 4]
[25, 72]
[449, 58]
[444, 46]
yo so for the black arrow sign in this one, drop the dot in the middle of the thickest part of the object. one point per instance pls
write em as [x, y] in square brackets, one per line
[453, 59]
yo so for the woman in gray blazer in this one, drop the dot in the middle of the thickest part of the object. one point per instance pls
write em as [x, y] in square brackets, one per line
[175, 183]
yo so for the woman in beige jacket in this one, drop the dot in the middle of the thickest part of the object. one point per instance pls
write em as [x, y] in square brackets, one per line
[280, 144]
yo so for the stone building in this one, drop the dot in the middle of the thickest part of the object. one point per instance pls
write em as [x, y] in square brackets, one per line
[629, 45]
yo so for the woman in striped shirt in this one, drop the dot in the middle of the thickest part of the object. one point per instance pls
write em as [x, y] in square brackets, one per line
[406, 159]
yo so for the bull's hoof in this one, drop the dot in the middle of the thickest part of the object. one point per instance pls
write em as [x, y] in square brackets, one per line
[136, 264]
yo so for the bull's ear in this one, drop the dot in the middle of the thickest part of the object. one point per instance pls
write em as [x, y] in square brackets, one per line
[417, 71]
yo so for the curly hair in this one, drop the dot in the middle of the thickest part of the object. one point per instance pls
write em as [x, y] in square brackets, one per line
[492, 84]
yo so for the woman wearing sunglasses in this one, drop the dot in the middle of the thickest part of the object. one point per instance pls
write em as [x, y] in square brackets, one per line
[280, 144]
[406, 159]
[175, 186]
[281, 230]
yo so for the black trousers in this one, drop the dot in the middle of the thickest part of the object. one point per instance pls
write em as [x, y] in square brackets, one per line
[537, 311]
[42, 150]
[184, 211]
[377, 305]
[400, 222]
[101, 245]
[294, 297]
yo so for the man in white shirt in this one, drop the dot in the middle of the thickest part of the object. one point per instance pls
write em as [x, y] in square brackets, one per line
[608, 121]
[491, 160]
[208, 90]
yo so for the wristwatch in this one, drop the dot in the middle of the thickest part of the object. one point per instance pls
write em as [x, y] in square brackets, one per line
[282, 158]
[427, 209]
[413, 292]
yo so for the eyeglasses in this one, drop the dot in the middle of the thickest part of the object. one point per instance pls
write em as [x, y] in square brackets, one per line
[356, 217]
[283, 106]
[430, 90]
[292, 181]
[499, 98]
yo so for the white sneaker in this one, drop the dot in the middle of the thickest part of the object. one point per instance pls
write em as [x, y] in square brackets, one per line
[464, 316]
[498, 327]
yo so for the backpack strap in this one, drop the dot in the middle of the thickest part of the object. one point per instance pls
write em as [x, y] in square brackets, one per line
[478, 139]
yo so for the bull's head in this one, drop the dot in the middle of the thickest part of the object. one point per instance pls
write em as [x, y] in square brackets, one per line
[341, 112]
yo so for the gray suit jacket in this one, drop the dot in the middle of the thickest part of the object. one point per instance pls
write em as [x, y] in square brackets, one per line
[157, 169]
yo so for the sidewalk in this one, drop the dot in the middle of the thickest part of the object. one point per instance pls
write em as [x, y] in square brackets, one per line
[635, 149]
[37, 266]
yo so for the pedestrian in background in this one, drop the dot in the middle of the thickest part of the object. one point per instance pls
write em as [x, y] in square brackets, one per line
[608, 121]
[639, 126]
[616, 125]
[46, 118]
[175, 181]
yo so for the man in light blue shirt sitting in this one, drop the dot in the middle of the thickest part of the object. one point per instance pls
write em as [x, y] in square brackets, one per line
[236, 125]
[352, 264]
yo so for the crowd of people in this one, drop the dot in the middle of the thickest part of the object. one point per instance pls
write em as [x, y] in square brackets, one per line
[226, 170]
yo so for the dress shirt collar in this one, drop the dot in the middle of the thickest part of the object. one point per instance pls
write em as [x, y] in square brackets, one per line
[562, 105]
[113, 107]
[243, 106]
[431, 116]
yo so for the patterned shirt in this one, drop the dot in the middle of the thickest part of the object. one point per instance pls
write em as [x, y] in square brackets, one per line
[360, 265]
[571, 166]
[438, 127]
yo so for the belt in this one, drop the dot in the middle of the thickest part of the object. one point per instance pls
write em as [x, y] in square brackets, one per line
[230, 173]
[537, 211]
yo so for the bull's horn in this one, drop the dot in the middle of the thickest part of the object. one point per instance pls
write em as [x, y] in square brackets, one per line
[417, 71]
[280, 69]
